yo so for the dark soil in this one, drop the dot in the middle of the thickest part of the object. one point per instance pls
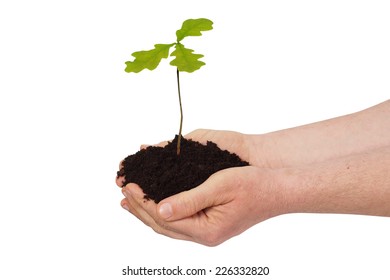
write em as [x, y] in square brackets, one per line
[160, 172]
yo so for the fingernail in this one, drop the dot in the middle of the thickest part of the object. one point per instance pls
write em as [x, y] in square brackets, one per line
[124, 206]
[165, 210]
[126, 192]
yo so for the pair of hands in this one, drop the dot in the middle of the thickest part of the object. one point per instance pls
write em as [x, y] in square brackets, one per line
[228, 203]
[340, 165]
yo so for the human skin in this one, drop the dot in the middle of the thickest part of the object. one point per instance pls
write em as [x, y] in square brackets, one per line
[341, 165]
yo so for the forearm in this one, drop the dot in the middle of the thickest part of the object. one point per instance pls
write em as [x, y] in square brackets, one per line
[356, 184]
[329, 139]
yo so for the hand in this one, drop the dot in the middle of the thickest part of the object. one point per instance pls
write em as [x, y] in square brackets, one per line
[216, 210]
[234, 142]
[246, 146]
[228, 203]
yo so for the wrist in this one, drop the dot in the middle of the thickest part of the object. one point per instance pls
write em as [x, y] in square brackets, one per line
[275, 191]
[294, 190]
[263, 152]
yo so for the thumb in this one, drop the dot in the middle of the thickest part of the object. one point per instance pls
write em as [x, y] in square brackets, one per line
[187, 203]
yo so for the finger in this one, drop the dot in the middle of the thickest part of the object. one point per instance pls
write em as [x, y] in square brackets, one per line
[200, 135]
[190, 202]
[197, 228]
[127, 205]
[132, 206]
[143, 209]
[161, 144]
[119, 181]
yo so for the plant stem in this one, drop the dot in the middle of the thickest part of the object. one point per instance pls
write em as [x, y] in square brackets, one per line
[181, 112]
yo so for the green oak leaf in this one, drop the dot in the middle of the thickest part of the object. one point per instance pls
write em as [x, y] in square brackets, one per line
[193, 27]
[149, 59]
[185, 59]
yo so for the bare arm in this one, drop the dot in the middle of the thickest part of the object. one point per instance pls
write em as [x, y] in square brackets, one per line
[355, 184]
[316, 142]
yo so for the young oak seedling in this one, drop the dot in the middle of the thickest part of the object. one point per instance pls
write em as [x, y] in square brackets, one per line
[185, 60]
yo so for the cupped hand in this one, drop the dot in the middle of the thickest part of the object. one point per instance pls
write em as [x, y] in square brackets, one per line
[228, 203]
[223, 206]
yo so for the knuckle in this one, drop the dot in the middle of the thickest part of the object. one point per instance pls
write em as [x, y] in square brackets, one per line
[157, 229]
[160, 228]
[161, 225]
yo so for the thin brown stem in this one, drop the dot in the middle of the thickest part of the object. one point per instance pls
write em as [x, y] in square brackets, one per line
[181, 112]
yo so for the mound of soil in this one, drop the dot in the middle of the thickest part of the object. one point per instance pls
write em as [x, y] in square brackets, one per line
[160, 172]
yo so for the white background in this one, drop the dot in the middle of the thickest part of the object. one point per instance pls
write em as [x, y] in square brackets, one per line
[69, 113]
